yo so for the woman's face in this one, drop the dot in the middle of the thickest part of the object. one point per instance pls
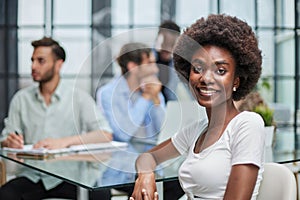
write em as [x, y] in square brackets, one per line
[212, 76]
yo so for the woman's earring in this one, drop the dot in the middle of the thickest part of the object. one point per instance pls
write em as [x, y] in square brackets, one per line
[234, 89]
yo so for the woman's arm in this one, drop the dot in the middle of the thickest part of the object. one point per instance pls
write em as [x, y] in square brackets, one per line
[241, 182]
[146, 163]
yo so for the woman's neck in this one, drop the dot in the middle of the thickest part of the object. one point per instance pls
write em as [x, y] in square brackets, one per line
[220, 116]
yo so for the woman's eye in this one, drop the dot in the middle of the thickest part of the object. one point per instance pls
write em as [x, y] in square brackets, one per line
[197, 69]
[221, 71]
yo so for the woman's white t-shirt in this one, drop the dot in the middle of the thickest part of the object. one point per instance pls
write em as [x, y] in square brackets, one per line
[205, 175]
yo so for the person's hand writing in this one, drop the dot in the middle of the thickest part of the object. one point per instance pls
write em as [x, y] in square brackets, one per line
[145, 188]
[14, 140]
[51, 143]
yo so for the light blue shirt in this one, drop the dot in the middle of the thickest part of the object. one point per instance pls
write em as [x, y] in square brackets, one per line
[121, 167]
[131, 116]
[71, 112]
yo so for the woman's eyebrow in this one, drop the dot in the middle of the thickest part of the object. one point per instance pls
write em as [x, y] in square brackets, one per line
[197, 61]
[201, 62]
[221, 62]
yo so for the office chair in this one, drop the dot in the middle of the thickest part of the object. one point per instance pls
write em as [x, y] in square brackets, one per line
[2, 172]
[278, 183]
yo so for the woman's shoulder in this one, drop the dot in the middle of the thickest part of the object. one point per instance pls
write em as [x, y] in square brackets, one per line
[248, 119]
[195, 128]
[249, 116]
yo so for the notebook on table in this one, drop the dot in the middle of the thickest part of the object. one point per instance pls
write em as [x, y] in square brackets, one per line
[30, 152]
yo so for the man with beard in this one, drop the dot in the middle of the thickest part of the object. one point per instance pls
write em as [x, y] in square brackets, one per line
[49, 115]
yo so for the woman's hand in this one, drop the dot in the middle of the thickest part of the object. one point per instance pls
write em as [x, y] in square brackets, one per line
[145, 187]
[146, 163]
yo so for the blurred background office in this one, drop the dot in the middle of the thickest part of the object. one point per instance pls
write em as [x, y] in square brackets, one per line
[86, 29]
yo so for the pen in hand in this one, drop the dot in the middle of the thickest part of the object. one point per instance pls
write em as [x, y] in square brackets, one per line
[20, 136]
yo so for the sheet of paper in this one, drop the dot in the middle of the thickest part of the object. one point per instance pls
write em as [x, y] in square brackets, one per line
[98, 146]
[75, 148]
[29, 149]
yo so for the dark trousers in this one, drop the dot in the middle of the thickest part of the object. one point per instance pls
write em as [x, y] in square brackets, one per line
[172, 191]
[24, 189]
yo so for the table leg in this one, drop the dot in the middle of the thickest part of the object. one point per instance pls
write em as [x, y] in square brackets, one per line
[82, 193]
[160, 189]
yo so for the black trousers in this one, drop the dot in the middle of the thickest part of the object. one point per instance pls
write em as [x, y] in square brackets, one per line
[24, 189]
[172, 191]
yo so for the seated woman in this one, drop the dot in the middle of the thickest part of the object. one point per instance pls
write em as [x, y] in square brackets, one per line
[220, 58]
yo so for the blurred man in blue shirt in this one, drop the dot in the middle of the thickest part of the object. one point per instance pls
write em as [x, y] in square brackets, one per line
[135, 109]
[133, 103]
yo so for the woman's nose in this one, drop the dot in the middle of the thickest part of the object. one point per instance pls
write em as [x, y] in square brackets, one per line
[207, 76]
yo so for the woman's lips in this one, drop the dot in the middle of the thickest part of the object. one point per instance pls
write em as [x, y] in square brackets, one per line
[206, 91]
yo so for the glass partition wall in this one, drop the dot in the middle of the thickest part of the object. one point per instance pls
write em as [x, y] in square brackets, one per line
[8, 54]
[87, 30]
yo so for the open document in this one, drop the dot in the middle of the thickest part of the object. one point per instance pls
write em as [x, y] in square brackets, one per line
[29, 151]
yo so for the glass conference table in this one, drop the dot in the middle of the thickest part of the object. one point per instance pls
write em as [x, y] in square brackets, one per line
[93, 170]
[112, 168]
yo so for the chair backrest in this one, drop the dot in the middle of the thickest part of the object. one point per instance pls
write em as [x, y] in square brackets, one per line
[180, 114]
[278, 183]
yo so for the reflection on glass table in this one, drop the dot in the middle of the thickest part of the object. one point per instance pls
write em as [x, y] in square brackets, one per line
[115, 168]
[92, 170]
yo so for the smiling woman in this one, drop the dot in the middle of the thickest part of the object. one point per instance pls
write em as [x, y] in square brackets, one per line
[212, 74]
[220, 59]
